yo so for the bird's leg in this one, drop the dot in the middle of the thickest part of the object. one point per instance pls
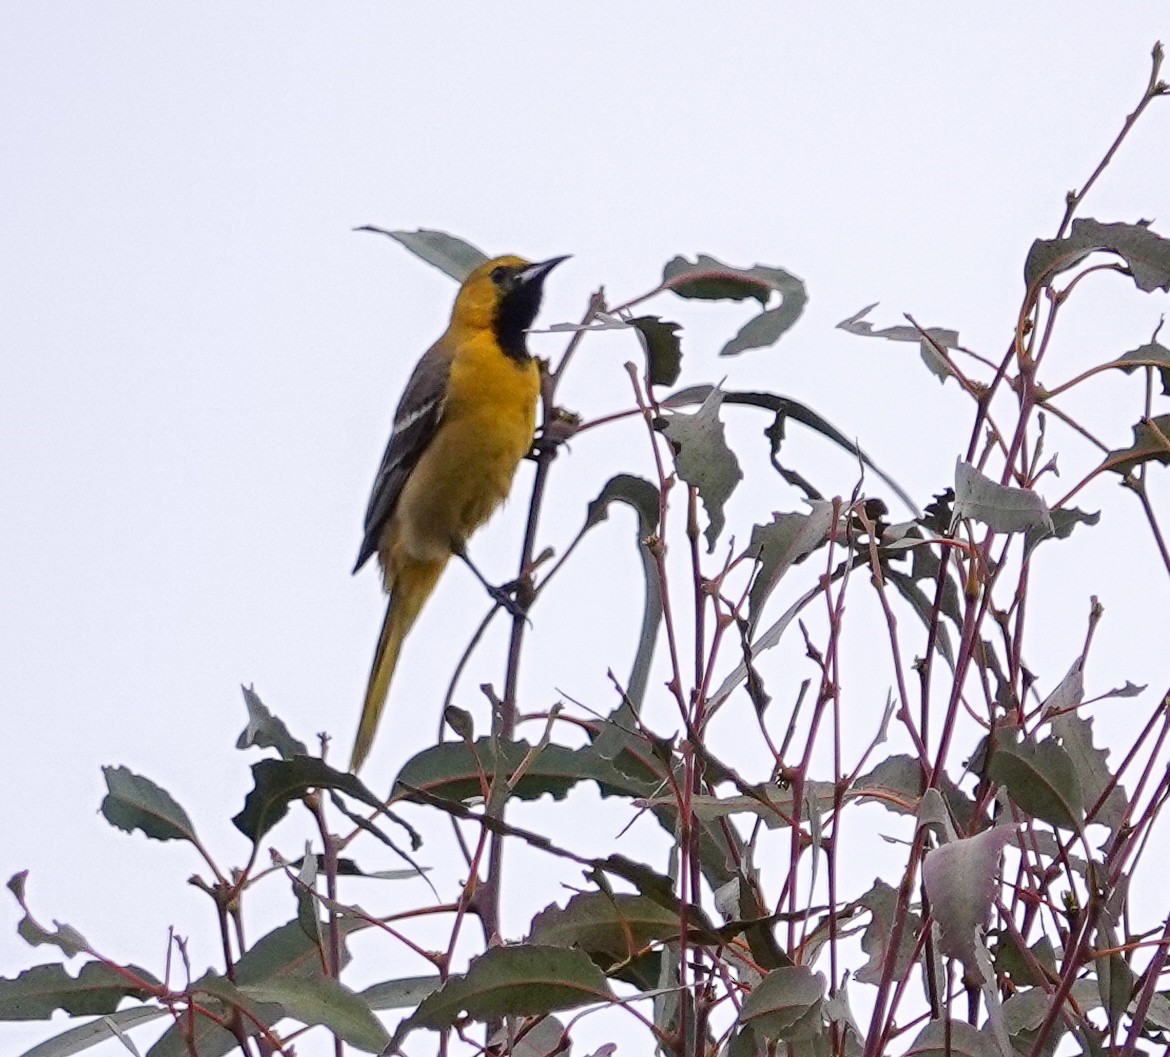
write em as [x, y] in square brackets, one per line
[505, 596]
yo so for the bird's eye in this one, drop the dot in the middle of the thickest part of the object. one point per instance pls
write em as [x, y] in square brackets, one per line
[499, 275]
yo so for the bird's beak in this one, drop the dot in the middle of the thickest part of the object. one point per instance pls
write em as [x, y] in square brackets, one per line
[535, 273]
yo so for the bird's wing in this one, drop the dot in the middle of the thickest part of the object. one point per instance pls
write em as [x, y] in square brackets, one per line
[415, 422]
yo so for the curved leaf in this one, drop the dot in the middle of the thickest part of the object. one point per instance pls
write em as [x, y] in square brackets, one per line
[711, 280]
[1146, 255]
[279, 782]
[642, 497]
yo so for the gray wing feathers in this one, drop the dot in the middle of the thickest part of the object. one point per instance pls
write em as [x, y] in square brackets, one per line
[415, 421]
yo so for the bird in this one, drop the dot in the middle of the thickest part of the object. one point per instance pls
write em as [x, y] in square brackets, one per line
[463, 424]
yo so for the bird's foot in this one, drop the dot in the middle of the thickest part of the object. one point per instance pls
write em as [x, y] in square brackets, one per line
[515, 596]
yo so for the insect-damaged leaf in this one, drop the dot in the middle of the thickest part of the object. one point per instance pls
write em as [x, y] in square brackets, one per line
[1064, 520]
[134, 802]
[1002, 508]
[960, 881]
[1146, 255]
[1076, 735]
[712, 280]
[1041, 778]
[37, 992]
[703, 459]
[1151, 443]
[449, 254]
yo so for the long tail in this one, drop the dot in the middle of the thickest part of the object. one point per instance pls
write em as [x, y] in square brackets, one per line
[413, 584]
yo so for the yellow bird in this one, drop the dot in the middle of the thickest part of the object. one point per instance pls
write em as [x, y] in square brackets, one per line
[464, 422]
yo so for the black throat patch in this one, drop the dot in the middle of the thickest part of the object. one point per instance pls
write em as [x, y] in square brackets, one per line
[516, 311]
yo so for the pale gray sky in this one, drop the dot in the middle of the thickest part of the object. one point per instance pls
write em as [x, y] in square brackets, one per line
[199, 360]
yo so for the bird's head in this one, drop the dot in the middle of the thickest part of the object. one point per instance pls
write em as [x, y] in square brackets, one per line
[503, 295]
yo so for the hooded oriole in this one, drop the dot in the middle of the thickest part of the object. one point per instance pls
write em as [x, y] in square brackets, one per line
[464, 422]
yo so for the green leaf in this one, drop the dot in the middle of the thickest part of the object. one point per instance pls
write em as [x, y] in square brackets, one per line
[324, 1001]
[1150, 354]
[954, 1038]
[400, 994]
[642, 497]
[660, 341]
[37, 992]
[704, 461]
[449, 254]
[1009, 959]
[453, 770]
[1145, 254]
[82, 1037]
[1001, 508]
[266, 731]
[279, 782]
[785, 1005]
[1150, 444]
[511, 981]
[1041, 778]
[613, 926]
[943, 337]
[787, 540]
[285, 952]
[711, 280]
[65, 937]
[1064, 520]
[134, 802]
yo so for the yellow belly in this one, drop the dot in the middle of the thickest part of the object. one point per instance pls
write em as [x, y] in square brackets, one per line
[467, 469]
